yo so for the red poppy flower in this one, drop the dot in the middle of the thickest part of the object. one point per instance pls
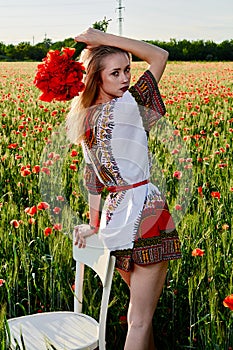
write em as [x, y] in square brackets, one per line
[48, 163]
[56, 210]
[57, 227]
[199, 189]
[225, 227]
[198, 252]
[45, 170]
[177, 174]
[15, 223]
[175, 151]
[73, 167]
[31, 221]
[12, 145]
[51, 155]
[59, 77]
[42, 206]
[18, 156]
[2, 281]
[36, 169]
[228, 301]
[47, 231]
[54, 113]
[31, 211]
[216, 195]
[73, 153]
[75, 161]
[25, 172]
[123, 319]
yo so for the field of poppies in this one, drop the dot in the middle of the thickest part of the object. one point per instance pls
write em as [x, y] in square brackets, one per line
[42, 197]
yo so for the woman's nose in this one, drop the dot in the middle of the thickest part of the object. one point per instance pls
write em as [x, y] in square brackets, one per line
[125, 77]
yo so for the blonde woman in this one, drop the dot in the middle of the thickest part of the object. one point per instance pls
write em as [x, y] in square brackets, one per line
[112, 120]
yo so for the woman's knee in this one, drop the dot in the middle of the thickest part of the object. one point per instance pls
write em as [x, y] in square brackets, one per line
[140, 324]
[139, 317]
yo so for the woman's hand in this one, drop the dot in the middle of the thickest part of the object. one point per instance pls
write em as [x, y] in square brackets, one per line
[92, 37]
[81, 232]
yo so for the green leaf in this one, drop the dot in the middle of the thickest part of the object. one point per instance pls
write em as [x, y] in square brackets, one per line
[102, 25]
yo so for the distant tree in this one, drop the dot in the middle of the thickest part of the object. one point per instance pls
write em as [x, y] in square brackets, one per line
[210, 51]
[172, 48]
[184, 50]
[37, 53]
[10, 52]
[179, 50]
[2, 48]
[60, 44]
[22, 51]
[47, 43]
[225, 50]
[3, 56]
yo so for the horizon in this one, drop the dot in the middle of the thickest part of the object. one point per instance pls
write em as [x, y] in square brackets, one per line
[164, 41]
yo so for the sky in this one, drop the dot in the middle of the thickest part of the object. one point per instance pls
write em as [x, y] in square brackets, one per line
[34, 20]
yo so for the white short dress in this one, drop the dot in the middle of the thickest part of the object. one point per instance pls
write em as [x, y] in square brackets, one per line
[135, 223]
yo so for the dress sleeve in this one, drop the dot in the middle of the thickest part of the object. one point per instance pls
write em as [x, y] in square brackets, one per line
[91, 180]
[147, 94]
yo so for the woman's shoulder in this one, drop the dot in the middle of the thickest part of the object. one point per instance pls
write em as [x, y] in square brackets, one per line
[146, 92]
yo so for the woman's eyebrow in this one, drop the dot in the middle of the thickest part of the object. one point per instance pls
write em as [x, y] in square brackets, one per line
[117, 69]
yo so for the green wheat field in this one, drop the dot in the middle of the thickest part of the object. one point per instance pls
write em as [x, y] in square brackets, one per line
[192, 162]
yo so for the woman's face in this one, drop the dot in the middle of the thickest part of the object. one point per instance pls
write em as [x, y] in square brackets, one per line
[115, 77]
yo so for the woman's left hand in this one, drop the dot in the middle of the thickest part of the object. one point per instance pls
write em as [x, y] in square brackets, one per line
[92, 37]
[81, 232]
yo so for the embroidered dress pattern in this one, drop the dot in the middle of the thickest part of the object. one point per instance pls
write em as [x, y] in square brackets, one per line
[112, 202]
[104, 135]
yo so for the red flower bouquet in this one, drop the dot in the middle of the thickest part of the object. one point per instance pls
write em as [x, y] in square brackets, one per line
[59, 77]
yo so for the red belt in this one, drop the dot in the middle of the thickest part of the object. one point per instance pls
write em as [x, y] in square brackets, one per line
[126, 187]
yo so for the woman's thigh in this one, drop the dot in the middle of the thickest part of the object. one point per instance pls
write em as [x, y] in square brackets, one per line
[146, 284]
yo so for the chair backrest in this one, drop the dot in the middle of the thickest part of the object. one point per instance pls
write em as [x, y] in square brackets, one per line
[97, 257]
[94, 255]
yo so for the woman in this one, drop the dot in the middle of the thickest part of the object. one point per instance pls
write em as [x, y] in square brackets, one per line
[112, 121]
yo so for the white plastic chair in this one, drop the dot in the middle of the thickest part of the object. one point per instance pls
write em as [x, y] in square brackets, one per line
[71, 330]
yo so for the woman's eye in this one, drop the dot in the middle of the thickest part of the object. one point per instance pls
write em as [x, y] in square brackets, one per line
[127, 70]
[115, 74]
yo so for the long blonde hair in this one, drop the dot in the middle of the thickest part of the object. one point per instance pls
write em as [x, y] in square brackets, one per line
[93, 61]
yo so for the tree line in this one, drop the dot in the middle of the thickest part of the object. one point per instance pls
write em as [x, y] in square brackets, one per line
[179, 50]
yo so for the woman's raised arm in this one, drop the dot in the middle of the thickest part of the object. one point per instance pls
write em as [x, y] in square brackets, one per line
[155, 56]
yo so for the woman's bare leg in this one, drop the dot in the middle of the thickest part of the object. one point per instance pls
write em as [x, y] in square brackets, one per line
[146, 284]
[151, 339]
